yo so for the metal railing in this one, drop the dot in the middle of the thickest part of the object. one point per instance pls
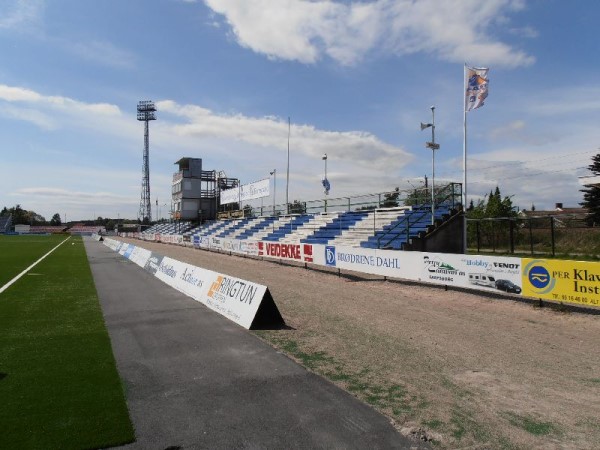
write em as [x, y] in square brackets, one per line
[447, 196]
[450, 192]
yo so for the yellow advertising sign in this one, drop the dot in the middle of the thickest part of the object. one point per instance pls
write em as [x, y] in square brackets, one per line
[562, 281]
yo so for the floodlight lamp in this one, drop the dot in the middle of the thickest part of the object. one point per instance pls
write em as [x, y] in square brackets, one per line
[324, 157]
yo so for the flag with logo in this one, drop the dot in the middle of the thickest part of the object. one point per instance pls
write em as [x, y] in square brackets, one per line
[326, 185]
[477, 87]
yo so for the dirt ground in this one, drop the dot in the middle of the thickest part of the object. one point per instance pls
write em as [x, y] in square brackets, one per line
[458, 369]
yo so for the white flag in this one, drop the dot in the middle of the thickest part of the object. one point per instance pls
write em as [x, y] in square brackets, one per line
[477, 87]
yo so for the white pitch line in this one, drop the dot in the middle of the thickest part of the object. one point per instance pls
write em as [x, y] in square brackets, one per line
[7, 285]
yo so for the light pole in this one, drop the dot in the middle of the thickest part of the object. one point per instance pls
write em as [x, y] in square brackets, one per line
[433, 146]
[274, 173]
[326, 184]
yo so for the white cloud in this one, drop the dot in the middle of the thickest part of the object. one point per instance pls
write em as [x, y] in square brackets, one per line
[101, 52]
[580, 100]
[72, 196]
[247, 147]
[268, 132]
[18, 94]
[18, 14]
[526, 32]
[38, 118]
[182, 126]
[302, 30]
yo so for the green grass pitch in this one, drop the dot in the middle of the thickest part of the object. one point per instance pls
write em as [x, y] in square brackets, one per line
[59, 386]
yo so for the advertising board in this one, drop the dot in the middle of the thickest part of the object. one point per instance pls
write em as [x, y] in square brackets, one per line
[565, 281]
[140, 256]
[153, 263]
[236, 299]
[473, 272]
[249, 247]
[575, 282]
[250, 191]
[376, 262]
[489, 273]
[290, 251]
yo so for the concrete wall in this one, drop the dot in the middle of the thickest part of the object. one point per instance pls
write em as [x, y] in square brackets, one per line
[446, 238]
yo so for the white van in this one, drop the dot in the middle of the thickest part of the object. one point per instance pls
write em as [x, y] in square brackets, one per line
[482, 279]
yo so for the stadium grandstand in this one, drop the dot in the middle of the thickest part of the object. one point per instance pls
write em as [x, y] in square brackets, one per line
[386, 228]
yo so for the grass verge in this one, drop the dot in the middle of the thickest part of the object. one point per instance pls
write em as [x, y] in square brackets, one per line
[391, 398]
[531, 425]
[59, 385]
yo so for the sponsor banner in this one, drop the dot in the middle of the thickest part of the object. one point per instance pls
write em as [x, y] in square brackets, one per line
[193, 281]
[231, 245]
[377, 262]
[234, 298]
[140, 256]
[230, 196]
[123, 248]
[289, 251]
[251, 191]
[170, 238]
[575, 282]
[153, 263]
[127, 253]
[237, 214]
[111, 243]
[474, 272]
[249, 247]
[216, 242]
[168, 270]
[204, 242]
[491, 273]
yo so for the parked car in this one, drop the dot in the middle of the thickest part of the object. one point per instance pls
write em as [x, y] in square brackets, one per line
[507, 286]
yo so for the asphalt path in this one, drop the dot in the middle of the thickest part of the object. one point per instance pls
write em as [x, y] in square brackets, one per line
[195, 380]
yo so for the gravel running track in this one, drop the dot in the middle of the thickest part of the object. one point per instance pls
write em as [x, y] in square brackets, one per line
[475, 371]
[195, 380]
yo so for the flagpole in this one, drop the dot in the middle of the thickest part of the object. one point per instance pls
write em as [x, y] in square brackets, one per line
[287, 180]
[464, 186]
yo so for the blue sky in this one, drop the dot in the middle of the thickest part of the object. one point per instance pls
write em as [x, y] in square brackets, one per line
[356, 79]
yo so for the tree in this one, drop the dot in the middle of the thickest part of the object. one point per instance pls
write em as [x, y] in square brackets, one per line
[21, 216]
[55, 219]
[492, 206]
[297, 207]
[390, 200]
[591, 194]
[248, 211]
[495, 207]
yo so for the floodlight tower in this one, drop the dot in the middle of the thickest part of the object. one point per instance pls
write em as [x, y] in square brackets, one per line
[145, 113]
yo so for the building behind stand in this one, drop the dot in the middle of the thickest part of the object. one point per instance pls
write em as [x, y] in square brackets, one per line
[196, 192]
